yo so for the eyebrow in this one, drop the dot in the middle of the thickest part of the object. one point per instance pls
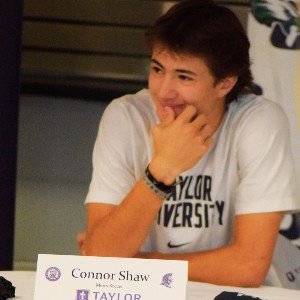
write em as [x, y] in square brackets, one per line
[183, 71]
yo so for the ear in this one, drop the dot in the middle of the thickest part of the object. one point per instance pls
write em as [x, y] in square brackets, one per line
[225, 85]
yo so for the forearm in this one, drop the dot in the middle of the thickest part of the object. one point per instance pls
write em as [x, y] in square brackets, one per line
[245, 262]
[122, 231]
[223, 266]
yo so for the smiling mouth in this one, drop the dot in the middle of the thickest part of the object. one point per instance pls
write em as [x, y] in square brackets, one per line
[175, 106]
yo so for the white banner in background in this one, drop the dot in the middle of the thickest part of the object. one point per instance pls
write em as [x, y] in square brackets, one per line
[274, 33]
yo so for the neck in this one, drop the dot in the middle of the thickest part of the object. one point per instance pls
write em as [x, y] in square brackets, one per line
[216, 118]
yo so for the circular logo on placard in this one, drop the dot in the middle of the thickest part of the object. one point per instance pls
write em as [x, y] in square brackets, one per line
[53, 274]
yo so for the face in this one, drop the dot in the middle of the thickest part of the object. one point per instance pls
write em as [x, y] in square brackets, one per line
[176, 80]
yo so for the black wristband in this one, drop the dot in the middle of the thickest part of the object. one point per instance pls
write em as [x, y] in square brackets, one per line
[156, 186]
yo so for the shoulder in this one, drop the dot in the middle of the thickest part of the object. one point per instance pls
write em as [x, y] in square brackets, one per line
[254, 120]
[131, 104]
[131, 115]
[250, 103]
[257, 110]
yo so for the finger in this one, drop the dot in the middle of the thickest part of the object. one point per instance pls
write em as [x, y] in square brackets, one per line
[207, 144]
[80, 238]
[206, 138]
[206, 131]
[188, 114]
[199, 121]
[169, 116]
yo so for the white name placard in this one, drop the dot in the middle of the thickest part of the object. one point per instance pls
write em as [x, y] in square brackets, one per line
[68, 277]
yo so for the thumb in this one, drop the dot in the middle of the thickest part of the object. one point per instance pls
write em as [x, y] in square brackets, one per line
[169, 116]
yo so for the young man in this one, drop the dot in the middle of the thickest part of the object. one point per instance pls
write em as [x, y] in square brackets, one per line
[195, 168]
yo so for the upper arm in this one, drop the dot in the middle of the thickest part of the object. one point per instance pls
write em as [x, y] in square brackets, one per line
[265, 162]
[113, 176]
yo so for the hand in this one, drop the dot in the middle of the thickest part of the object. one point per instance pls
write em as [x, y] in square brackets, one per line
[80, 239]
[179, 143]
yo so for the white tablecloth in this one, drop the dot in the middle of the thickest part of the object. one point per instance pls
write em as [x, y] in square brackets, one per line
[24, 283]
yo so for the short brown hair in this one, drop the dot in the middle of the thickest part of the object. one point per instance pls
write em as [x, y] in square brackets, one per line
[208, 30]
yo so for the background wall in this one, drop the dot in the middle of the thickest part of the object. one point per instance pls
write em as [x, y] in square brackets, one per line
[56, 138]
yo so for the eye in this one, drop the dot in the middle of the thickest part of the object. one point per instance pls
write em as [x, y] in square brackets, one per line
[156, 69]
[185, 78]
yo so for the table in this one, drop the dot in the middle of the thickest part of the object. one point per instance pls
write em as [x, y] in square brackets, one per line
[24, 283]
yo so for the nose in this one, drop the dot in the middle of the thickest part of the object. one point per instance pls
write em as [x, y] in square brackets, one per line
[167, 89]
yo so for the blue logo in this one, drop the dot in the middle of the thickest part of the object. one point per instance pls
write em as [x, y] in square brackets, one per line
[53, 274]
[82, 295]
[167, 280]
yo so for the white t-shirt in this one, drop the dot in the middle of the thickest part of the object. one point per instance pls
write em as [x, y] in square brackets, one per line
[249, 169]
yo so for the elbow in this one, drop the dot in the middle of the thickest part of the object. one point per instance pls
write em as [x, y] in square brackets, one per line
[254, 281]
[254, 275]
[247, 280]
